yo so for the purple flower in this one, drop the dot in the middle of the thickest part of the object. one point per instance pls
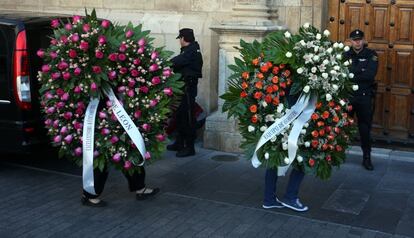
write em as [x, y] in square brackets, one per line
[50, 110]
[122, 57]
[113, 57]
[57, 139]
[131, 93]
[68, 26]
[137, 114]
[99, 54]
[123, 70]
[45, 68]
[84, 46]
[86, 27]
[102, 115]
[105, 23]
[141, 50]
[143, 89]
[127, 165]
[153, 102]
[155, 80]
[75, 37]
[54, 23]
[154, 55]
[168, 91]
[62, 65]
[136, 61]
[122, 48]
[53, 42]
[166, 72]
[129, 33]
[147, 155]
[153, 67]
[94, 87]
[65, 97]
[101, 40]
[96, 69]
[68, 139]
[77, 71]
[64, 130]
[67, 115]
[53, 55]
[72, 53]
[77, 89]
[105, 131]
[76, 19]
[141, 42]
[114, 139]
[55, 75]
[116, 157]
[146, 127]
[40, 53]
[78, 151]
[160, 137]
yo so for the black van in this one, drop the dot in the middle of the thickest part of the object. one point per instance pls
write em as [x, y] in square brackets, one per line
[21, 124]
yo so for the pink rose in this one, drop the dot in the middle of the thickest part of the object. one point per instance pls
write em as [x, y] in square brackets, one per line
[78, 151]
[102, 115]
[54, 23]
[77, 71]
[101, 40]
[76, 19]
[64, 39]
[123, 70]
[96, 69]
[48, 122]
[105, 23]
[143, 89]
[154, 55]
[137, 114]
[108, 103]
[79, 111]
[112, 75]
[160, 137]
[72, 53]
[140, 50]
[86, 27]
[147, 155]
[116, 157]
[131, 93]
[122, 57]
[129, 34]
[55, 123]
[62, 65]
[134, 73]
[65, 97]
[99, 54]
[77, 89]
[136, 61]
[40, 53]
[114, 139]
[53, 55]
[55, 75]
[84, 46]
[45, 68]
[153, 67]
[113, 57]
[77, 125]
[50, 110]
[168, 91]
[127, 165]
[68, 26]
[94, 87]
[57, 139]
[122, 48]
[67, 115]
[146, 127]
[141, 42]
[68, 139]
[60, 92]
[64, 130]
[75, 37]
[131, 83]
[105, 131]
[48, 95]
[155, 80]
[153, 102]
[166, 72]
[121, 89]
[53, 42]
[60, 105]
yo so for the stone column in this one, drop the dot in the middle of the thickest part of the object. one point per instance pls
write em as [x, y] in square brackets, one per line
[251, 20]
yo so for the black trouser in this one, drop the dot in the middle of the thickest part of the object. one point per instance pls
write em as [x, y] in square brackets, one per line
[136, 181]
[186, 121]
[362, 106]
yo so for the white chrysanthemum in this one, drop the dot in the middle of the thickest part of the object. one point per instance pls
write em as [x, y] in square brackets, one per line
[335, 45]
[280, 108]
[318, 36]
[299, 158]
[346, 63]
[333, 72]
[337, 68]
[307, 144]
[325, 75]
[302, 42]
[266, 155]
[263, 128]
[351, 75]
[329, 50]
[339, 56]
[274, 138]
[303, 131]
[342, 102]
[316, 49]
[313, 70]
[335, 87]
[316, 58]
[306, 125]
[328, 97]
[287, 34]
[326, 33]
[325, 61]
[288, 54]
[299, 70]
[341, 45]
[286, 160]
[306, 89]
[269, 117]
[250, 128]
[285, 146]
[306, 25]
[346, 48]
[264, 104]
[355, 87]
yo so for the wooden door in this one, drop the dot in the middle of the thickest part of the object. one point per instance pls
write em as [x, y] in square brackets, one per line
[389, 29]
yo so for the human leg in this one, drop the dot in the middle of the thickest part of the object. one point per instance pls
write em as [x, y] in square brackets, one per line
[136, 183]
[270, 200]
[100, 178]
[291, 199]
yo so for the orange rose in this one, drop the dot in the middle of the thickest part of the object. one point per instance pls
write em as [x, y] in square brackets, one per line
[260, 76]
[338, 148]
[315, 143]
[331, 137]
[254, 119]
[276, 101]
[325, 115]
[315, 116]
[269, 64]
[335, 119]
[331, 104]
[324, 147]
[264, 68]
[328, 158]
[259, 85]
[318, 105]
[311, 162]
[282, 93]
[245, 75]
[281, 66]
[269, 89]
[275, 79]
[328, 129]
[243, 94]
[322, 132]
[244, 85]
[255, 62]
[315, 133]
[275, 88]
[283, 84]
[289, 81]
[320, 123]
[337, 108]
[275, 70]
[268, 98]
[286, 73]
[253, 108]
[258, 95]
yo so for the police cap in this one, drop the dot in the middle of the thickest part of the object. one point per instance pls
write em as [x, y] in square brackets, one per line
[356, 35]
[187, 34]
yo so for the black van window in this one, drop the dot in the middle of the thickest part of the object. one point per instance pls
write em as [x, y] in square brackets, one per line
[6, 48]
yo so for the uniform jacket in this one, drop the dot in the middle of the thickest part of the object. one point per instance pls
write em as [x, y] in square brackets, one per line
[189, 62]
[364, 67]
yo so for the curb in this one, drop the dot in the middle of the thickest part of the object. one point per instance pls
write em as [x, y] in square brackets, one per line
[406, 156]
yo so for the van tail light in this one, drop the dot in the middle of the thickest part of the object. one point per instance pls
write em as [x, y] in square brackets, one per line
[21, 73]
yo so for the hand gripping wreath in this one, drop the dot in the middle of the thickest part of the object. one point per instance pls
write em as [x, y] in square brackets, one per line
[115, 71]
[290, 96]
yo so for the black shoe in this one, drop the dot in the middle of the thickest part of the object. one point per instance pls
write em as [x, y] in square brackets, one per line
[175, 147]
[142, 195]
[185, 152]
[366, 162]
[87, 202]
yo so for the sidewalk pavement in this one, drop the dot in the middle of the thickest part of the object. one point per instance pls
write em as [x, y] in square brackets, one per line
[211, 194]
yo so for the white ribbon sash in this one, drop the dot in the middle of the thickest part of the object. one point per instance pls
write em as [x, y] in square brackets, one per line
[89, 131]
[277, 127]
[87, 146]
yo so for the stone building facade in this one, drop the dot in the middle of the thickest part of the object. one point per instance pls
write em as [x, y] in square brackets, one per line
[218, 25]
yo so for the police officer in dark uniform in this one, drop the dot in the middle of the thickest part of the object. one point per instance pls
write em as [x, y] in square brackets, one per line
[189, 64]
[364, 67]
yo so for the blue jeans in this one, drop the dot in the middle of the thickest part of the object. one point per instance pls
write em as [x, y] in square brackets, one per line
[292, 190]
